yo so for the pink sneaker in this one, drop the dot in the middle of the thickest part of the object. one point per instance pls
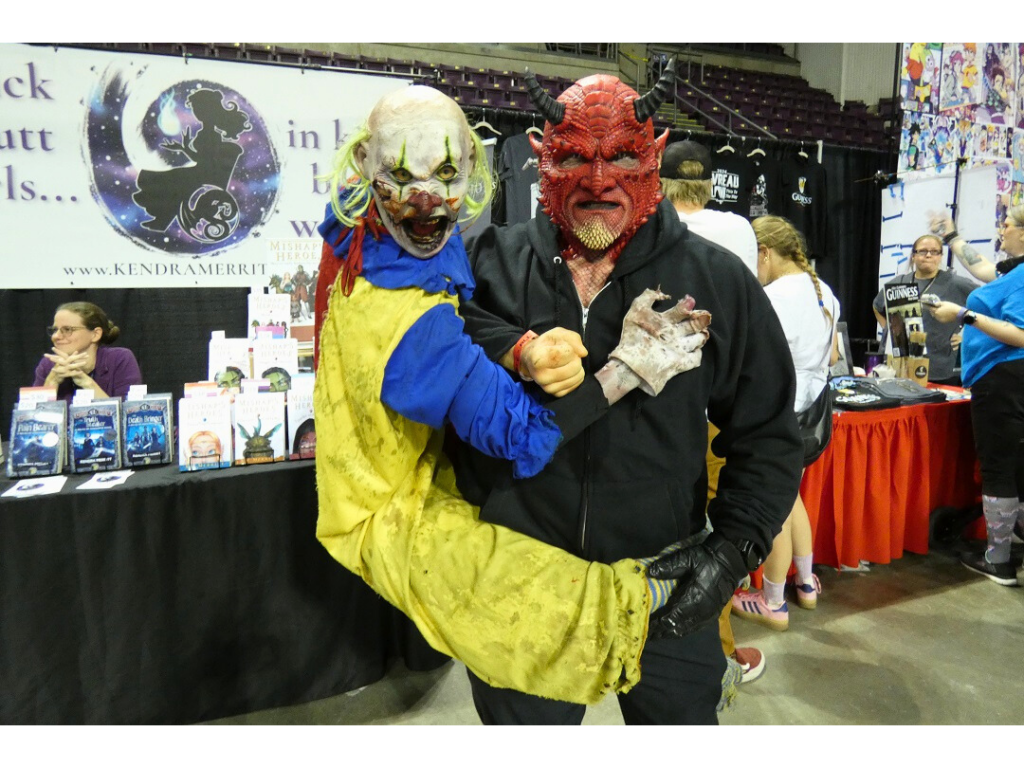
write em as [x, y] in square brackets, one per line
[751, 605]
[807, 593]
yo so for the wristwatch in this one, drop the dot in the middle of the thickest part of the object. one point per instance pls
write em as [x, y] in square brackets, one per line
[970, 317]
[751, 553]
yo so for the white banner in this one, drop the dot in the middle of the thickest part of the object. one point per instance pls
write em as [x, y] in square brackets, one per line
[125, 170]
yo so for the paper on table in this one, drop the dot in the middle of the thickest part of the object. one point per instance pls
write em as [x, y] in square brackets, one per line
[37, 486]
[102, 480]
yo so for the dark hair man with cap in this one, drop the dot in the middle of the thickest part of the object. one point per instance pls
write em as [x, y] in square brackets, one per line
[686, 182]
[635, 480]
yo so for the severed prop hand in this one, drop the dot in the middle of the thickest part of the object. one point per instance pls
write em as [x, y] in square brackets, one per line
[655, 346]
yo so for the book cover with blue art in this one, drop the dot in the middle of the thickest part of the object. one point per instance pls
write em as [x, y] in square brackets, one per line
[37, 440]
[148, 430]
[95, 431]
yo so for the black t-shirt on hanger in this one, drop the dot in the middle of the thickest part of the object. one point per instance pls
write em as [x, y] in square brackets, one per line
[805, 202]
[729, 171]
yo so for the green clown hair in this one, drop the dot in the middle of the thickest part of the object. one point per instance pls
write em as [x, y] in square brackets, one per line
[345, 174]
[341, 176]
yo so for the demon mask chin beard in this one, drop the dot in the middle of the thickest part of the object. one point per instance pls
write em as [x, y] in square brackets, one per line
[418, 158]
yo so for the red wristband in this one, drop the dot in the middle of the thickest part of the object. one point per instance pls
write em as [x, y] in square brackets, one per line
[517, 353]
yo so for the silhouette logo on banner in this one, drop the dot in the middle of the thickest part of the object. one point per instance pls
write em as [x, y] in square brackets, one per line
[191, 170]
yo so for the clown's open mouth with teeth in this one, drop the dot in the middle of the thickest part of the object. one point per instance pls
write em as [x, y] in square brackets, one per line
[426, 233]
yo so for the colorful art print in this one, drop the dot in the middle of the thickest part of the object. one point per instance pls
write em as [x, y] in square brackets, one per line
[961, 85]
[944, 143]
[914, 140]
[1017, 193]
[1020, 85]
[903, 315]
[147, 427]
[95, 436]
[36, 437]
[991, 144]
[1004, 172]
[920, 77]
[999, 83]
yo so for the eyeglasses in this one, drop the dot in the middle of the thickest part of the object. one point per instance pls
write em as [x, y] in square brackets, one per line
[930, 251]
[64, 330]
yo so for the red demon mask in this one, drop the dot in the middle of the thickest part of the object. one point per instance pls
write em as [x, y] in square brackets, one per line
[599, 160]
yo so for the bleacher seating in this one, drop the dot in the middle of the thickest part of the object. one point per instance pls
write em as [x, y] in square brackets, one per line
[785, 105]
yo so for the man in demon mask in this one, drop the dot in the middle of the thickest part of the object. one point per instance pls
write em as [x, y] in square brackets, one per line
[394, 369]
[635, 479]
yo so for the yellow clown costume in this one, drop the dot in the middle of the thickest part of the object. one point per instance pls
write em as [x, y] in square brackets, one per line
[394, 370]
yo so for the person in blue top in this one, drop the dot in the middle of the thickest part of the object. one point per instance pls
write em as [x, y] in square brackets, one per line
[993, 369]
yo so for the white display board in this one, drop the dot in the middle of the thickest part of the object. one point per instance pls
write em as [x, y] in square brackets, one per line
[123, 170]
[906, 209]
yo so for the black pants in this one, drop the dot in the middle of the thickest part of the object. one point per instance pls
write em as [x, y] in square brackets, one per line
[997, 413]
[681, 684]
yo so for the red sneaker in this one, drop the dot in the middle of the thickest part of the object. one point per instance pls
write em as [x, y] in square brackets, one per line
[751, 661]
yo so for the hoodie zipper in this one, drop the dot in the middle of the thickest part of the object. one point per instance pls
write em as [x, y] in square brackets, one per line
[585, 313]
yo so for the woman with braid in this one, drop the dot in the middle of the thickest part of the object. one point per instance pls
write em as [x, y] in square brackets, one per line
[809, 312]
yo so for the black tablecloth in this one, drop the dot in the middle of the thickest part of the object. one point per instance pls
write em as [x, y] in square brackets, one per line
[181, 597]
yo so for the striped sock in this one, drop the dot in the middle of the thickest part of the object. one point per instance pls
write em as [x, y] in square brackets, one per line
[660, 588]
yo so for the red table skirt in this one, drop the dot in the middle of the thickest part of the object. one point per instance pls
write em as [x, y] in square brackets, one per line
[870, 494]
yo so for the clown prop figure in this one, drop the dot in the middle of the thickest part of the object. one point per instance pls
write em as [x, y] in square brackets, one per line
[394, 369]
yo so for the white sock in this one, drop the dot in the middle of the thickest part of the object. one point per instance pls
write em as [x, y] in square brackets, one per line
[773, 593]
[803, 568]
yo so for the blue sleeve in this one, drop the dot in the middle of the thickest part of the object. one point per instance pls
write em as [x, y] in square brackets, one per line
[437, 375]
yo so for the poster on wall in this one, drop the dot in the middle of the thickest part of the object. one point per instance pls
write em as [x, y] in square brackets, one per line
[920, 77]
[991, 144]
[961, 86]
[931, 144]
[999, 83]
[128, 170]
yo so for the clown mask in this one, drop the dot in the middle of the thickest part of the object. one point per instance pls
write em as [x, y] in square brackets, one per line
[418, 159]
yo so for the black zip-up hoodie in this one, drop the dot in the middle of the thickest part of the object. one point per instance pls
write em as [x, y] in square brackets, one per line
[630, 479]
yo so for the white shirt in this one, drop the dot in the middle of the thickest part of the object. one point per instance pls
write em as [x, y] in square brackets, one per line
[728, 230]
[807, 330]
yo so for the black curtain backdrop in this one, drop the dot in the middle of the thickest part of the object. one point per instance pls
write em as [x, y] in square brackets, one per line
[168, 329]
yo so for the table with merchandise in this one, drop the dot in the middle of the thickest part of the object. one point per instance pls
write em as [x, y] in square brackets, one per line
[183, 597]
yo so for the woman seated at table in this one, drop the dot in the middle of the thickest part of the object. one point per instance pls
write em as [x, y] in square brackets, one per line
[81, 357]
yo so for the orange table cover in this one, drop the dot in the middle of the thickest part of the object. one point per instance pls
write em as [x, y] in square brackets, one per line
[870, 494]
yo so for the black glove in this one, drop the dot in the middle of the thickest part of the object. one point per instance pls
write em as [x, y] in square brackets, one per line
[708, 574]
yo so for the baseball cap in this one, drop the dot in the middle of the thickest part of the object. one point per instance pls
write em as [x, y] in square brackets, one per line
[681, 151]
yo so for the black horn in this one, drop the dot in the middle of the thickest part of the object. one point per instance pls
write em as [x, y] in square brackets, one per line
[552, 111]
[648, 104]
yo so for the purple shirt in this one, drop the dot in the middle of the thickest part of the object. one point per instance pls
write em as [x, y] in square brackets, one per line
[116, 370]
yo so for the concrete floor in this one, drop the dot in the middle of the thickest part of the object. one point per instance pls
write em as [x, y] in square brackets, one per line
[919, 641]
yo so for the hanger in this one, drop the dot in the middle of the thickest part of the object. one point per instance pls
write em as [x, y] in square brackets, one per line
[484, 124]
[728, 146]
[802, 153]
[756, 150]
[535, 129]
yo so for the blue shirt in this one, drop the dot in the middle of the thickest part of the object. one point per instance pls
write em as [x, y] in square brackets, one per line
[1002, 299]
